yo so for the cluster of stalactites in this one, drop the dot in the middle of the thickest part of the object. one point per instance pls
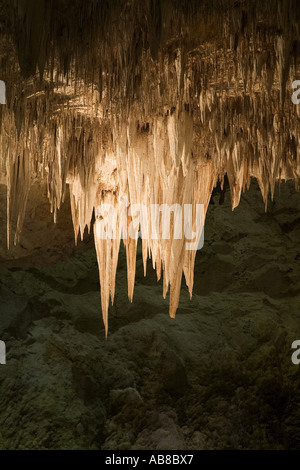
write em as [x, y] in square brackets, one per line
[154, 119]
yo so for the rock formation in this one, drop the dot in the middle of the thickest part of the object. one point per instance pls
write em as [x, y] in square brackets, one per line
[153, 102]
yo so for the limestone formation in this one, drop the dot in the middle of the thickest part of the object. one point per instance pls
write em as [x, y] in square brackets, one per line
[153, 102]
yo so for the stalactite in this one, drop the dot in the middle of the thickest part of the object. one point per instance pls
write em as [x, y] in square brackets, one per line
[152, 102]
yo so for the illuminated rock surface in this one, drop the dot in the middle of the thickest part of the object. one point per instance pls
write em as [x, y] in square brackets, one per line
[153, 101]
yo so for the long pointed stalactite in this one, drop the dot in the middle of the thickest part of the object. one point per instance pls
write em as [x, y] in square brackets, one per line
[152, 101]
